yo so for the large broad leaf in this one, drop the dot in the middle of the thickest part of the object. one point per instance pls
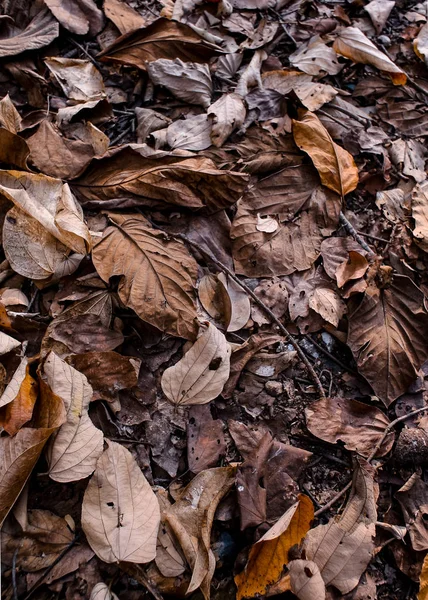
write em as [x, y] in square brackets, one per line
[41, 31]
[163, 38]
[228, 114]
[200, 375]
[158, 275]
[387, 335]
[335, 165]
[78, 443]
[144, 177]
[354, 44]
[78, 16]
[190, 82]
[120, 512]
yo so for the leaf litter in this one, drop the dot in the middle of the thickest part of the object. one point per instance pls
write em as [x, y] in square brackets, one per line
[213, 312]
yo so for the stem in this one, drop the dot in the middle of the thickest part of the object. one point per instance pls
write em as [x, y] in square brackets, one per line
[357, 237]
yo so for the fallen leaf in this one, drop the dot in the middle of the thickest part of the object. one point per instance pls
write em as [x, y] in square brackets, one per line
[359, 426]
[158, 275]
[40, 32]
[274, 295]
[202, 372]
[355, 267]
[419, 205]
[149, 121]
[188, 81]
[101, 591]
[269, 555]
[76, 447]
[10, 118]
[18, 412]
[229, 114]
[79, 79]
[386, 336]
[413, 499]
[354, 532]
[96, 111]
[306, 580]
[193, 133]
[7, 343]
[77, 556]
[169, 558]
[328, 304]
[215, 299]
[313, 95]
[423, 581]
[315, 58]
[120, 512]
[162, 39]
[123, 16]
[14, 150]
[355, 45]
[77, 16]
[191, 519]
[420, 43]
[379, 11]
[408, 116]
[14, 385]
[205, 439]
[335, 165]
[336, 252]
[81, 333]
[240, 307]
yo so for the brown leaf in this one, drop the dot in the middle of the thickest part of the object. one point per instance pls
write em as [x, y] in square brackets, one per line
[269, 555]
[355, 267]
[313, 95]
[85, 332]
[123, 16]
[193, 133]
[315, 58]
[169, 559]
[355, 45]
[143, 177]
[18, 412]
[77, 555]
[120, 512]
[387, 337]
[215, 299]
[78, 16]
[14, 150]
[56, 155]
[229, 114]
[187, 81]
[191, 519]
[419, 205]
[163, 38]
[413, 499]
[306, 580]
[79, 79]
[10, 118]
[7, 343]
[40, 32]
[336, 253]
[202, 372]
[358, 425]
[328, 304]
[205, 439]
[399, 109]
[239, 301]
[379, 11]
[353, 532]
[335, 165]
[14, 385]
[158, 275]
[76, 447]
[423, 585]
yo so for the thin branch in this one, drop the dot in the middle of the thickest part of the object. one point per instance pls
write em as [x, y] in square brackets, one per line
[290, 338]
[14, 585]
[352, 231]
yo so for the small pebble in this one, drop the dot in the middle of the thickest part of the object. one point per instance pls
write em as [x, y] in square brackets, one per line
[273, 388]
[384, 40]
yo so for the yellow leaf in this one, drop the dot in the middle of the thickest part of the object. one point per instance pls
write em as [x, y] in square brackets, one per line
[269, 555]
[335, 166]
[423, 581]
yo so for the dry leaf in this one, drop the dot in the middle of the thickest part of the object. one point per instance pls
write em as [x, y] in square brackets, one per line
[76, 447]
[240, 307]
[190, 82]
[315, 58]
[355, 267]
[7, 343]
[193, 133]
[379, 11]
[306, 581]
[162, 39]
[101, 591]
[205, 439]
[202, 372]
[354, 532]
[313, 95]
[191, 519]
[215, 299]
[79, 79]
[423, 581]
[169, 559]
[269, 555]
[355, 45]
[386, 336]
[420, 43]
[10, 118]
[18, 412]
[78, 16]
[419, 204]
[336, 252]
[123, 16]
[229, 114]
[14, 385]
[158, 275]
[149, 121]
[359, 426]
[120, 512]
[328, 304]
[413, 499]
[335, 165]
[40, 32]
[13, 149]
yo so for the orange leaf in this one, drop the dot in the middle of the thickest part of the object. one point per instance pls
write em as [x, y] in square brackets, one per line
[269, 555]
[423, 581]
[15, 414]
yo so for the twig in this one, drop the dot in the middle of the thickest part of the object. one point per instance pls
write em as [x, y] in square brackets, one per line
[85, 52]
[262, 305]
[352, 231]
[49, 569]
[120, 137]
[15, 588]
[374, 237]
[371, 457]
[330, 356]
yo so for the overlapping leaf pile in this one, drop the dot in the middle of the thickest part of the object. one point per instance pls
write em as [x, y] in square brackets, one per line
[214, 243]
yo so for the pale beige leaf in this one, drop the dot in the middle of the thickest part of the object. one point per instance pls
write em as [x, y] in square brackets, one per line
[40, 32]
[343, 547]
[10, 118]
[334, 164]
[7, 343]
[240, 306]
[101, 591]
[123, 16]
[202, 372]
[193, 133]
[306, 580]
[315, 58]
[13, 297]
[77, 445]
[158, 275]
[214, 298]
[391, 203]
[327, 303]
[78, 16]
[379, 11]
[266, 224]
[79, 79]
[313, 95]
[169, 559]
[229, 114]
[190, 82]
[355, 45]
[419, 205]
[420, 43]
[14, 384]
[120, 512]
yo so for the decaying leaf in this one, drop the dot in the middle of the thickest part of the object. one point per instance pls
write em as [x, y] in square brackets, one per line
[14, 385]
[78, 16]
[41, 31]
[193, 133]
[358, 425]
[269, 555]
[419, 204]
[315, 58]
[190, 82]
[202, 372]
[229, 114]
[120, 512]
[101, 591]
[386, 335]
[158, 275]
[306, 580]
[123, 16]
[413, 499]
[18, 412]
[355, 45]
[77, 445]
[423, 582]
[335, 165]
[328, 304]
[379, 11]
